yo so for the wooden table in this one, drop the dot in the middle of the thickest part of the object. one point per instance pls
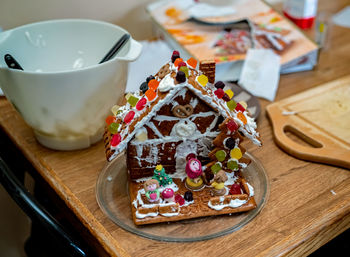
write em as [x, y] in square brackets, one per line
[309, 203]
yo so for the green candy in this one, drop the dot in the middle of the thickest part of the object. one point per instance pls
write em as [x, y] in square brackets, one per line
[132, 100]
[184, 69]
[232, 165]
[216, 167]
[220, 155]
[113, 128]
[231, 104]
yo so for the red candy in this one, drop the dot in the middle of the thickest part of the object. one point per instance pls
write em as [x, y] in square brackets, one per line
[232, 126]
[129, 116]
[181, 64]
[176, 52]
[239, 108]
[116, 139]
[235, 189]
[141, 104]
[179, 199]
[219, 93]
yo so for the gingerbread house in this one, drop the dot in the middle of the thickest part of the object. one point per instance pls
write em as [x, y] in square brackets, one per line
[180, 112]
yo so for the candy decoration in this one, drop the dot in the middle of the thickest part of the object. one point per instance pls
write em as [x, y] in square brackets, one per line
[115, 140]
[192, 62]
[177, 61]
[226, 98]
[184, 69]
[242, 117]
[235, 189]
[180, 76]
[141, 135]
[129, 116]
[231, 104]
[149, 78]
[216, 167]
[115, 109]
[110, 119]
[244, 104]
[175, 56]
[232, 165]
[179, 199]
[144, 87]
[151, 95]
[239, 108]
[181, 64]
[128, 95]
[188, 196]
[220, 84]
[232, 126]
[219, 93]
[203, 80]
[153, 84]
[141, 104]
[230, 143]
[220, 155]
[113, 128]
[229, 92]
[132, 100]
[236, 153]
[163, 178]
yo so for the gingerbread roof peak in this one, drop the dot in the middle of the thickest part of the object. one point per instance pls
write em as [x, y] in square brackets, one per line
[165, 86]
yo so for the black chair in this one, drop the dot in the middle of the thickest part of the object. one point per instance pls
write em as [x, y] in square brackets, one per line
[61, 243]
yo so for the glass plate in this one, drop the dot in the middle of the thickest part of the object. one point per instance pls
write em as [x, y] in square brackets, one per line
[113, 198]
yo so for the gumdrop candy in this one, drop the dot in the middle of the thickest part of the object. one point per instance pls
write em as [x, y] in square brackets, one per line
[184, 69]
[110, 119]
[151, 95]
[230, 143]
[175, 56]
[128, 95]
[203, 80]
[235, 189]
[141, 104]
[231, 104]
[226, 98]
[141, 135]
[219, 93]
[216, 167]
[116, 139]
[188, 196]
[219, 84]
[132, 100]
[179, 199]
[181, 64]
[115, 109]
[192, 62]
[113, 128]
[236, 153]
[149, 78]
[153, 84]
[232, 126]
[239, 108]
[232, 165]
[244, 104]
[220, 155]
[229, 92]
[129, 116]
[177, 61]
[144, 87]
[180, 76]
[242, 117]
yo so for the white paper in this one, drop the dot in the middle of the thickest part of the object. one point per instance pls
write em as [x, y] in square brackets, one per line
[342, 18]
[260, 73]
[154, 55]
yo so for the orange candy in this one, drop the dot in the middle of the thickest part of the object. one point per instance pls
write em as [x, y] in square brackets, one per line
[110, 119]
[192, 62]
[153, 84]
[177, 61]
[150, 94]
[242, 117]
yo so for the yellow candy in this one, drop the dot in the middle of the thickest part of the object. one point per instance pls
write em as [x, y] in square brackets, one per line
[141, 136]
[115, 109]
[203, 80]
[159, 167]
[244, 104]
[236, 153]
[128, 96]
[229, 93]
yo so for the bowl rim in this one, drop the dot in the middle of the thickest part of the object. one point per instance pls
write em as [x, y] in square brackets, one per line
[71, 20]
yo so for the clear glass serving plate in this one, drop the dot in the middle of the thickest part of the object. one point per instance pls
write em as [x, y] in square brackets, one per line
[113, 198]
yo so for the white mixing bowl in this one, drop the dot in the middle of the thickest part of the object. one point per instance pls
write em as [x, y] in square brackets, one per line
[62, 92]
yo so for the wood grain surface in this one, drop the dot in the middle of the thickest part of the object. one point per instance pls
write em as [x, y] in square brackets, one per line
[309, 203]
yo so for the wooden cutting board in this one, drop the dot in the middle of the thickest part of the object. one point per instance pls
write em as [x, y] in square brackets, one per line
[319, 131]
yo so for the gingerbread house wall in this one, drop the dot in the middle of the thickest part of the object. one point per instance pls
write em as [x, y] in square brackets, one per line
[143, 157]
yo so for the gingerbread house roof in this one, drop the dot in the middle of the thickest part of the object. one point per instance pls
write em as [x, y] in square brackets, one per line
[167, 90]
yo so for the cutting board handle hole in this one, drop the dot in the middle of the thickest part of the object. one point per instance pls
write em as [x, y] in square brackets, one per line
[299, 137]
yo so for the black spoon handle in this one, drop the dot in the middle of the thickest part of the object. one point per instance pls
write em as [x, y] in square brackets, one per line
[11, 62]
[114, 50]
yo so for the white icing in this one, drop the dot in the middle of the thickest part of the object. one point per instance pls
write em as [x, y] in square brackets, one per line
[166, 84]
[184, 129]
[232, 204]
[154, 129]
[251, 190]
[142, 216]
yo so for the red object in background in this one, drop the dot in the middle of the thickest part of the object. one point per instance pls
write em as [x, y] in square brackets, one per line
[301, 12]
[303, 23]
